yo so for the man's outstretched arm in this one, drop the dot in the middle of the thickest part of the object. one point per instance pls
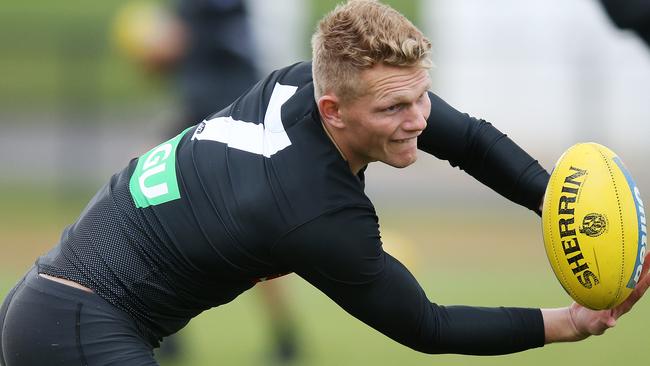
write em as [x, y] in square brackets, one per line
[340, 253]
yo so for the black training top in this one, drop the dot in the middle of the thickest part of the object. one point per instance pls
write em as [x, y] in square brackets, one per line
[259, 190]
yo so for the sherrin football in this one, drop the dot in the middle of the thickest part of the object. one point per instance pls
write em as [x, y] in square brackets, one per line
[594, 226]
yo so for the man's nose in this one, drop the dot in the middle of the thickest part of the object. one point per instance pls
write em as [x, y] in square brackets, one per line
[416, 119]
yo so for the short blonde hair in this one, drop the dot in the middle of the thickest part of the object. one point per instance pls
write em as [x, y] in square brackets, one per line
[358, 35]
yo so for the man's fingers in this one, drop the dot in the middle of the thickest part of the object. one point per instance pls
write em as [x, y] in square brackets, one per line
[634, 297]
[641, 287]
[611, 322]
[644, 282]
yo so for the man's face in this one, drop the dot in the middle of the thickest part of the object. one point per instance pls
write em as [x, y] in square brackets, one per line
[383, 124]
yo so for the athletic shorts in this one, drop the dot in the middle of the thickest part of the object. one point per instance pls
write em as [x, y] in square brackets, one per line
[43, 322]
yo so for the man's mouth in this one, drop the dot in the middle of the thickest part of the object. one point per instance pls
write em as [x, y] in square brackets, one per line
[401, 141]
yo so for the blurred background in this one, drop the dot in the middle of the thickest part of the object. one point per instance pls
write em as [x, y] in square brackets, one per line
[76, 105]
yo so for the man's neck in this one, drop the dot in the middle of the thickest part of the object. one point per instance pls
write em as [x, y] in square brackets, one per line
[354, 168]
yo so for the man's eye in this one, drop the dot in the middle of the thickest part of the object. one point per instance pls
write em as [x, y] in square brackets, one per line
[394, 108]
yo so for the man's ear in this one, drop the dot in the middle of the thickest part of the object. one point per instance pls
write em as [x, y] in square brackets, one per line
[330, 110]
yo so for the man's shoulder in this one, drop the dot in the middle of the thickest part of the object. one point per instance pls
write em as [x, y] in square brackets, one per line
[298, 74]
[292, 85]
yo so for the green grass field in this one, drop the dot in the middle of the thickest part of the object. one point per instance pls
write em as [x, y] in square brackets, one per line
[462, 257]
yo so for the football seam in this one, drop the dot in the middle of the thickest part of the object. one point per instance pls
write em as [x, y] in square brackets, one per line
[620, 217]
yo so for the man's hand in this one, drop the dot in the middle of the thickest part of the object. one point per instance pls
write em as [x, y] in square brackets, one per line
[575, 323]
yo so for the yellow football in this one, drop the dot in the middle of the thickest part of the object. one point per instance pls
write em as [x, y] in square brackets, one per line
[594, 226]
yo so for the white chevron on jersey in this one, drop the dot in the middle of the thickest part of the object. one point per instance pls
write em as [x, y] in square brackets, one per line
[258, 138]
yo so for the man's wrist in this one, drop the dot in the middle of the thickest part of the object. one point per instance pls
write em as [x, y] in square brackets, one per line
[559, 326]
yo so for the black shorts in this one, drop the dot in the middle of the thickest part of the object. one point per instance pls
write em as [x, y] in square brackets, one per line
[43, 322]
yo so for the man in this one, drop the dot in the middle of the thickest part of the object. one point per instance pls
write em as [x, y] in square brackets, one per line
[274, 184]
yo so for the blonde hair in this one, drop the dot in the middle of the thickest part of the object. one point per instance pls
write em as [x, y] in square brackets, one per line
[358, 35]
